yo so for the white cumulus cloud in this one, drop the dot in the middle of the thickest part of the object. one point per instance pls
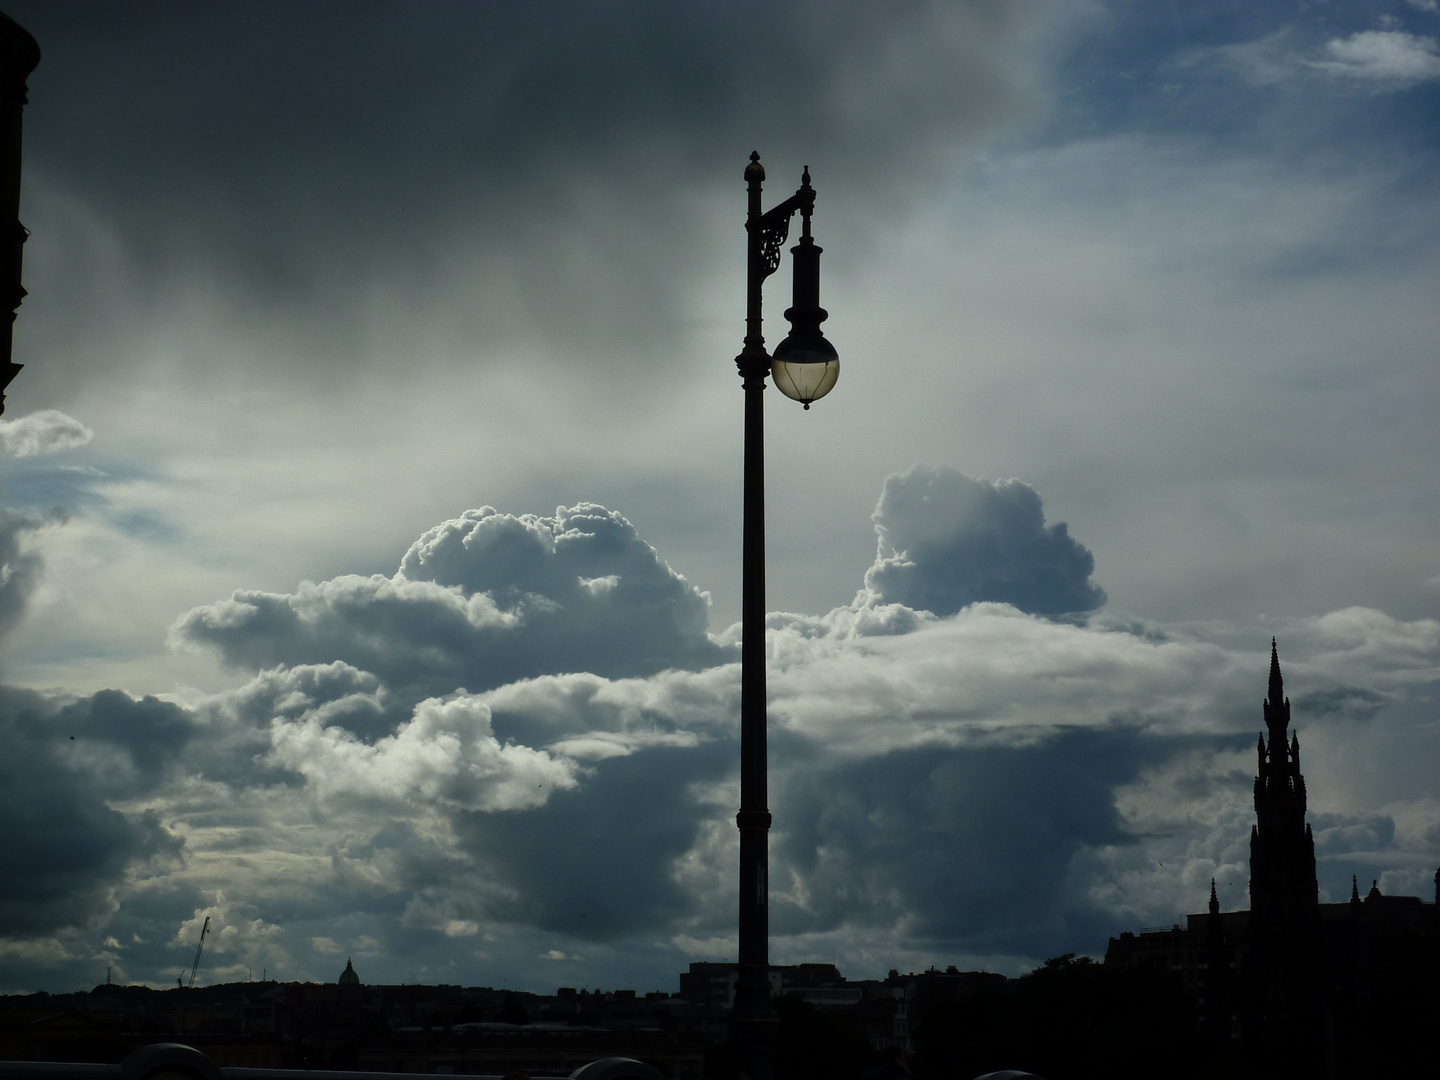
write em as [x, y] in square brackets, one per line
[47, 431]
[1382, 56]
[446, 754]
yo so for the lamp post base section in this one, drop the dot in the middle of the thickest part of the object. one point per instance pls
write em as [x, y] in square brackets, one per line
[754, 1039]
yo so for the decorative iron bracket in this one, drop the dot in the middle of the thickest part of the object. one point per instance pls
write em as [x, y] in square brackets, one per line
[775, 225]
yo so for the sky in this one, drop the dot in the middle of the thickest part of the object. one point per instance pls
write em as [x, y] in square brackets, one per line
[370, 498]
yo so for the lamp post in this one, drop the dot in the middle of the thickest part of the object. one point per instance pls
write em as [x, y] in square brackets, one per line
[805, 367]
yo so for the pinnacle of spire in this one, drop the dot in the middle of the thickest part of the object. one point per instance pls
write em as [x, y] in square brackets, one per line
[1212, 890]
[1277, 709]
[1354, 888]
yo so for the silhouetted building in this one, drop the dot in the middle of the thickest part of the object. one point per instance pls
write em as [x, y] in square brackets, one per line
[878, 1011]
[414, 1029]
[18, 56]
[348, 977]
[1299, 987]
[713, 984]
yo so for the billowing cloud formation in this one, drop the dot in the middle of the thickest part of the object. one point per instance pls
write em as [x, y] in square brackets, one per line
[948, 540]
[479, 601]
[953, 779]
[45, 432]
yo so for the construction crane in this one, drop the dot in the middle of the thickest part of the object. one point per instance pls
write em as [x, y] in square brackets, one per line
[196, 966]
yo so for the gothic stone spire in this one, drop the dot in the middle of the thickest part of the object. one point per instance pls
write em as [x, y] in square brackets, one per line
[1282, 942]
[1282, 849]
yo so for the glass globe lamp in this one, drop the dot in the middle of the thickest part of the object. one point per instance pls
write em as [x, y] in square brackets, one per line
[806, 369]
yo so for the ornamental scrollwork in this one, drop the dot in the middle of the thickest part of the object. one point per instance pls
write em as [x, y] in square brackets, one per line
[773, 235]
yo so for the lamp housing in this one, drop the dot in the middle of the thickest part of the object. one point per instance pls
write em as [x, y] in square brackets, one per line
[805, 365]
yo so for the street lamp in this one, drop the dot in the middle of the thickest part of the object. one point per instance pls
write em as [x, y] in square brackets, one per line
[805, 367]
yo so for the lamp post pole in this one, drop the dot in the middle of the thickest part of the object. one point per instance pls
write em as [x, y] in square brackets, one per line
[805, 368]
[753, 1024]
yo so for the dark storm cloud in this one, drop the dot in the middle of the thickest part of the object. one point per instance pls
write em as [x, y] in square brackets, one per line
[397, 107]
[948, 540]
[125, 743]
[597, 861]
[479, 601]
[1342, 834]
[968, 847]
[65, 849]
[1353, 702]
[282, 157]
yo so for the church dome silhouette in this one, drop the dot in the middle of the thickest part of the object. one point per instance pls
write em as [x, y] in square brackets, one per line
[348, 977]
